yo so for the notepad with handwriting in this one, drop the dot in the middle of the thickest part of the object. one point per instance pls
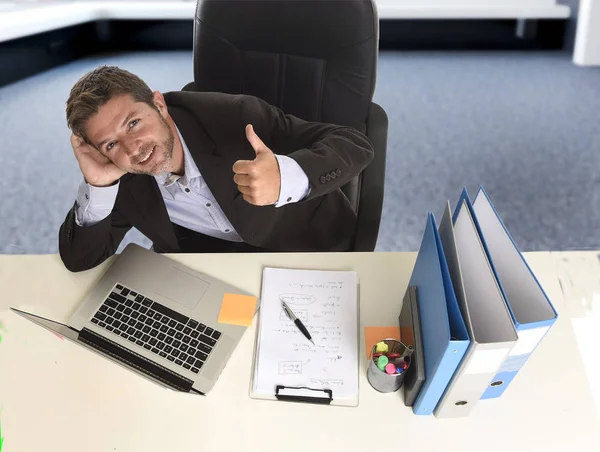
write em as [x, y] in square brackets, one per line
[327, 304]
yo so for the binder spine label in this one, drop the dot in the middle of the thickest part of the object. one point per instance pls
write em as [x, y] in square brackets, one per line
[528, 341]
[513, 363]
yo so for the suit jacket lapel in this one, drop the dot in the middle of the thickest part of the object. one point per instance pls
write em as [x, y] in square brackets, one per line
[150, 205]
[215, 168]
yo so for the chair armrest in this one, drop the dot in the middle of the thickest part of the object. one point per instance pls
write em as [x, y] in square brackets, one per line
[189, 87]
[370, 201]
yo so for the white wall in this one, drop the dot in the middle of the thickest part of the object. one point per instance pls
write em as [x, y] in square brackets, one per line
[587, 39]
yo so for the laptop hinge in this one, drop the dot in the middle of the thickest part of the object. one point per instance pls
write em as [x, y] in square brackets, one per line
[134, 360]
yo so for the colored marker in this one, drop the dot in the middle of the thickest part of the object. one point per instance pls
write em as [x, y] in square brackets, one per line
[382, 361]
[394, 355]
[381, 347]
[399, 370]
[398, 362]
[390, 369]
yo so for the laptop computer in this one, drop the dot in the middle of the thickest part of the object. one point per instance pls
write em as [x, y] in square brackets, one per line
[156, 317]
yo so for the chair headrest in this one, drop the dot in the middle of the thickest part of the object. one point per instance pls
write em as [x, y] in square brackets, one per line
[316, 59]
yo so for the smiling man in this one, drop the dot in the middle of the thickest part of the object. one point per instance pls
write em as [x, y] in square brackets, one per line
[203, 172]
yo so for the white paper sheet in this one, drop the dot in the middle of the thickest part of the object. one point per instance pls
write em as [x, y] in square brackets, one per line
[327, 304]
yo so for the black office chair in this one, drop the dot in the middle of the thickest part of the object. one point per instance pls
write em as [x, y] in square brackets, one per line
[314, 59]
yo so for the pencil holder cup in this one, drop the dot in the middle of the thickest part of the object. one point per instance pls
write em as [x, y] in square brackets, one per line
[396, 355]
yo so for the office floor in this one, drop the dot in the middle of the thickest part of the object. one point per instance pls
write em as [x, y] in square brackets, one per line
[524, 125]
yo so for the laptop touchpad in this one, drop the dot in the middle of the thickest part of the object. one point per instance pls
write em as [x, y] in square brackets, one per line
[181, 287]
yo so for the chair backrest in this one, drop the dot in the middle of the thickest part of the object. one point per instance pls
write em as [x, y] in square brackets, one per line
[314, 59]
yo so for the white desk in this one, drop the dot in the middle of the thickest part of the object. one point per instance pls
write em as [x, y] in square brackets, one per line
[57, 396]
[24, 18]
[31, 18]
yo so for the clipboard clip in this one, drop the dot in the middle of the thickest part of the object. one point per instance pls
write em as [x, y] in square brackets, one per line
[303, 394]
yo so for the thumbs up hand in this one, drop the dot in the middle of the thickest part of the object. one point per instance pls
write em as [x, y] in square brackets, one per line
[258, 180]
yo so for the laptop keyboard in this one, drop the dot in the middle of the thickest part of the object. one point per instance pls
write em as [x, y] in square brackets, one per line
[166, 333]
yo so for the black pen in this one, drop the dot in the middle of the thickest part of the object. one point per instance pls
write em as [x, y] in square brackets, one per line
[297, 321]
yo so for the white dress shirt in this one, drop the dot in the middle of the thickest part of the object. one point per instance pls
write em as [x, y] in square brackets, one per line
[188, 199]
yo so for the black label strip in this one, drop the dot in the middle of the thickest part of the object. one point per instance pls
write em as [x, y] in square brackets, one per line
[294, 398]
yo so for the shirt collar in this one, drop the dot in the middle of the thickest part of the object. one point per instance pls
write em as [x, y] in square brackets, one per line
[190, 169]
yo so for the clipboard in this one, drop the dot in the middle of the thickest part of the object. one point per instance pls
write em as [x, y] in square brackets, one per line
[287, 367]
[303, 394]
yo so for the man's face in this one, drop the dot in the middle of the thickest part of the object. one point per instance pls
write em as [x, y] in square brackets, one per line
[133, 135]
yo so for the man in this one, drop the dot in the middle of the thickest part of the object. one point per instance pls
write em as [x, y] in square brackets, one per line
[203, 172]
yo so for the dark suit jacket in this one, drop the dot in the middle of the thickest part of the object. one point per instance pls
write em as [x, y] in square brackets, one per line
[213, 127]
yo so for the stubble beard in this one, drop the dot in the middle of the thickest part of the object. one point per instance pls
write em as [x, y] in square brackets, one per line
[167, 152]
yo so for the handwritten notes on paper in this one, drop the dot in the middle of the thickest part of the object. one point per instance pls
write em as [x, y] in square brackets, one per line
[327, 304]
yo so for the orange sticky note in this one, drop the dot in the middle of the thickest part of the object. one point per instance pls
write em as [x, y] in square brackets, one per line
[237, 309]
[374, 334]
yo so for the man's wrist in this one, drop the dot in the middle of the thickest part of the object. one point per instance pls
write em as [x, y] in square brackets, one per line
[100, 184]
[94, 203]
[293, 182]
